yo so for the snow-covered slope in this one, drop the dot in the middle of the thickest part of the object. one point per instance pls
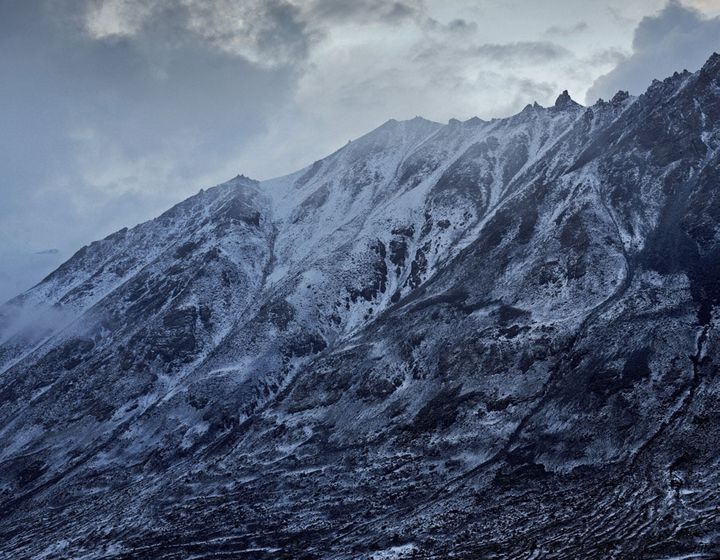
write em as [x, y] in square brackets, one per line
[479, 339]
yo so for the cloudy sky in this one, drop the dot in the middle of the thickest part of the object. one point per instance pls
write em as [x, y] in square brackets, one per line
[112, 110]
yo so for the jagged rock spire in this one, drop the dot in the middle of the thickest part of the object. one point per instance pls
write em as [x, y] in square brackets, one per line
[712, 62]
[620, 97]
[564, 101]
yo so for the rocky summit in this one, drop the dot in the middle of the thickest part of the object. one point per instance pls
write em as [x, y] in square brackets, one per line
[475, 340]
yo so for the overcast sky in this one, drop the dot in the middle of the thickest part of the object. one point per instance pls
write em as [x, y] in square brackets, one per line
[113, 110]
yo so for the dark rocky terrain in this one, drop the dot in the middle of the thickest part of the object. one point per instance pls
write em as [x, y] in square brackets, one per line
[474, 340]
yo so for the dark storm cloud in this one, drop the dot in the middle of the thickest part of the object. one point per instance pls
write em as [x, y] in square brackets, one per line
[676, 38]
[265, 32]
[276, 28]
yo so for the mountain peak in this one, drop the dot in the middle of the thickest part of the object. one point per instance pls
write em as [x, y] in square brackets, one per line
[713, 63]
[620, 97]
[711, 69]
[244, 180]
[531, 107]
[564, 101]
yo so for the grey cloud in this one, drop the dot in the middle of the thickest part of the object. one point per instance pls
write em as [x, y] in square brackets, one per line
[458, 26]
[525, 89]
[605, 57]
[285, 22]
[533, 88]
[362, 11]
[400, 11]
[566, 31]
[522, 52]
[267, 33]
[463, 26]
[619, 18]
[679, 37]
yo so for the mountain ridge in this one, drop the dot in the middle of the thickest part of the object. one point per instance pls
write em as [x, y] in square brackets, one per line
[488, 338]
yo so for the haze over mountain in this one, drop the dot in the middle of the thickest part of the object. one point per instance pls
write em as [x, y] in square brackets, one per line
[480, 339]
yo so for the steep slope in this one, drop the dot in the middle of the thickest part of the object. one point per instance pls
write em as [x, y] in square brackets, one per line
[480, 339]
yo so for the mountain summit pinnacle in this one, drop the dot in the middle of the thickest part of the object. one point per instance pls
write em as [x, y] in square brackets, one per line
[713, 61]
[564, 101]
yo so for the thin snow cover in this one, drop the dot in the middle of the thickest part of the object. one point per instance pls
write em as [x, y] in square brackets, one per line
[444, 338]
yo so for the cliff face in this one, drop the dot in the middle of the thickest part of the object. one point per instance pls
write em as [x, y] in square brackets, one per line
[480, 339]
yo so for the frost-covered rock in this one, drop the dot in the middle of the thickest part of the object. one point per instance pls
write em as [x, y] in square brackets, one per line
[480, 339]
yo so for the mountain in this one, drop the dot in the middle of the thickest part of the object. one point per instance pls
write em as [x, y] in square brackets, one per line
[484, 339]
